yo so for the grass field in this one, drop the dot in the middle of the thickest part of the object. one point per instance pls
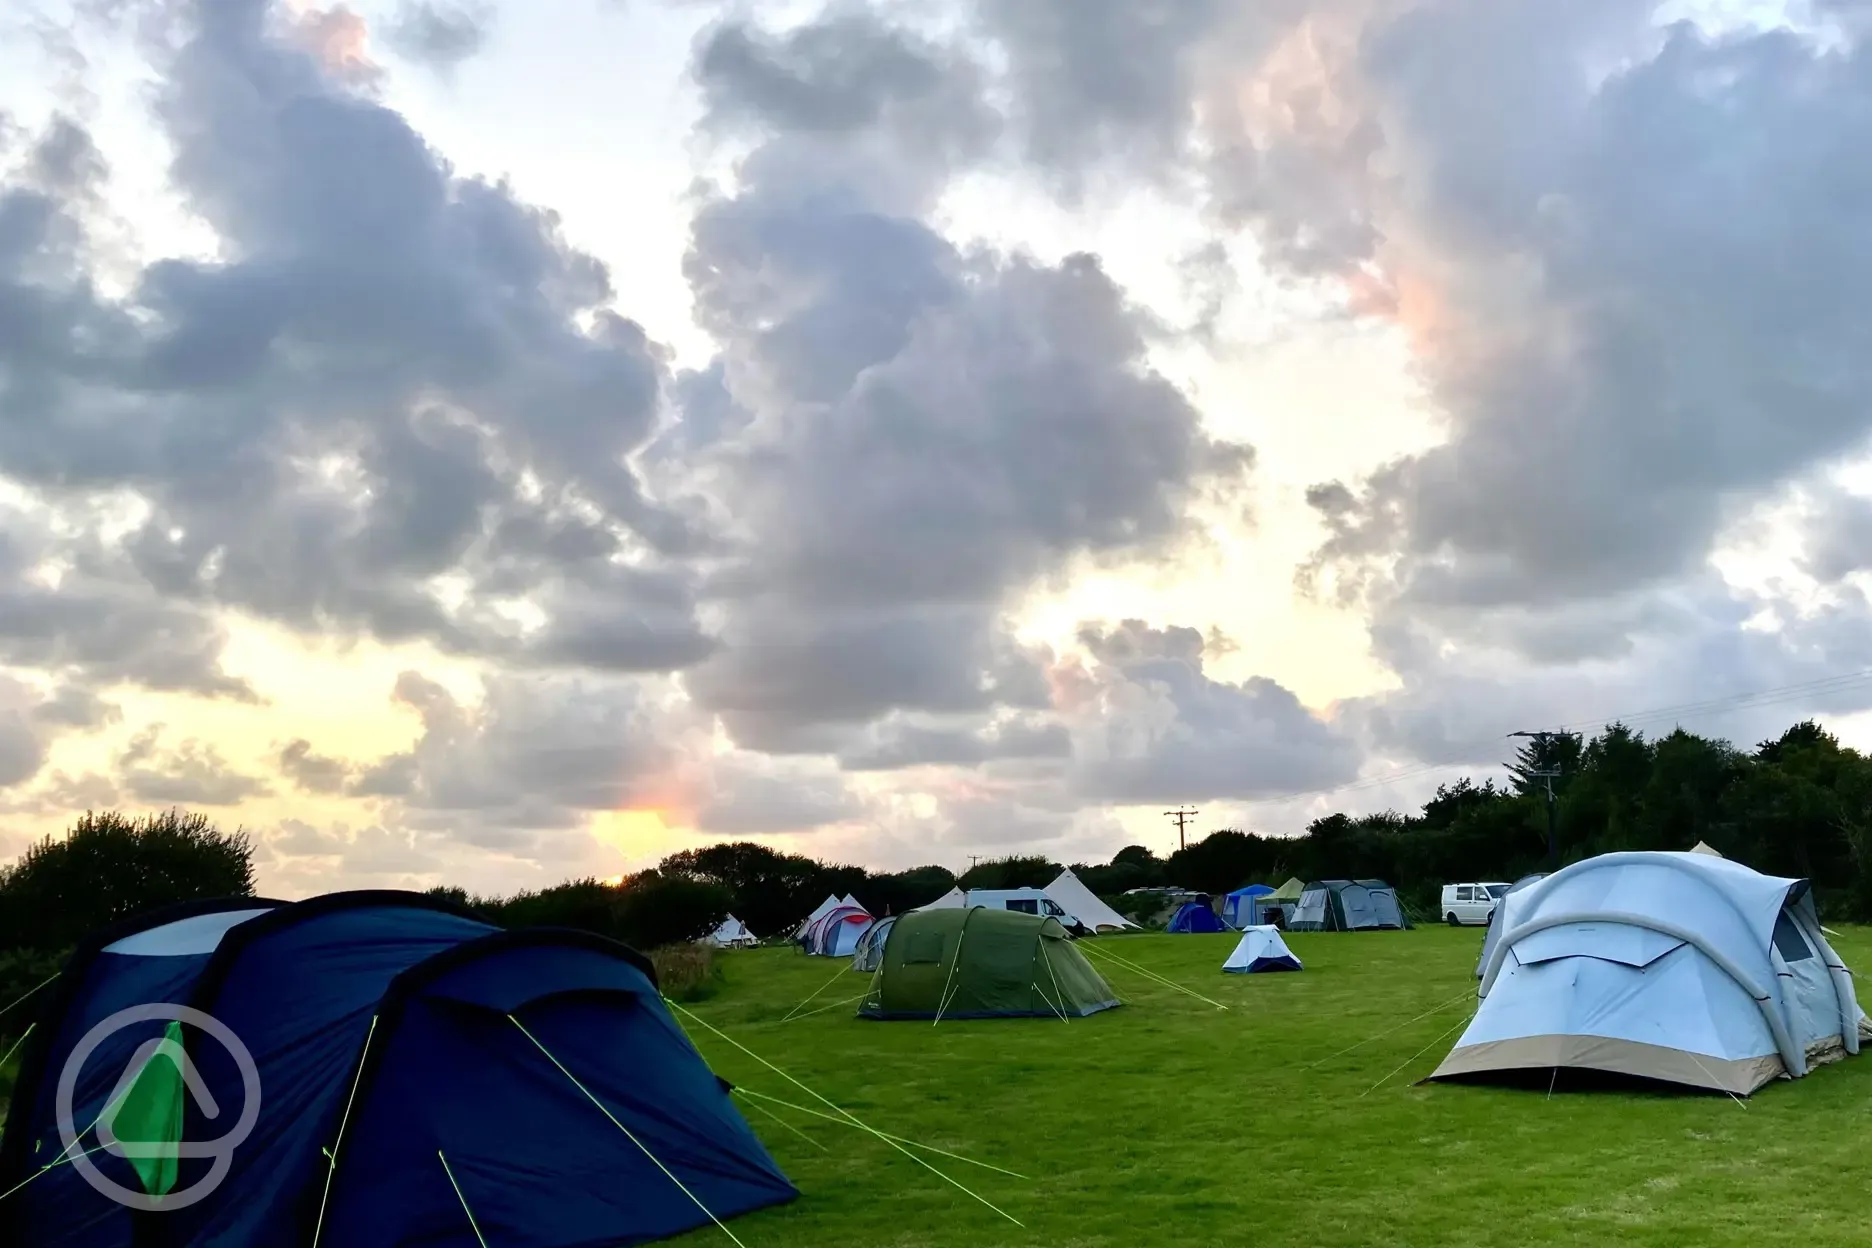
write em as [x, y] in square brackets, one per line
[1170, 1120]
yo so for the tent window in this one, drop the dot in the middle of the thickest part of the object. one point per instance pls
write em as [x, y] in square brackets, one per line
[923, 947]
[1788, 941]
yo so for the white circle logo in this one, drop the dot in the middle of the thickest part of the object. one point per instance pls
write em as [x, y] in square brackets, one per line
[155, 1092]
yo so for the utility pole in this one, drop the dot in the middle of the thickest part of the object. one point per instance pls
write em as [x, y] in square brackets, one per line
[973, 859]
[1550, 768]
[1182, 815]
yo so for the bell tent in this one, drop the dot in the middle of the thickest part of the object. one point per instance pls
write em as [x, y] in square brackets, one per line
[1679, 967]
[824, 908]
[835, 933]
[1080, 902]
[954, 899]
[869, 954]
[732, 933]
[1239, 909]
[980, 963]
[1261, 949]
[427, 1077]
[1347, 906]
[1195, 916]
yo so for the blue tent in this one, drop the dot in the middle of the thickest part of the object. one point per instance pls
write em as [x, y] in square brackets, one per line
[522, 1087]
[1239, 909]
[1195, 916]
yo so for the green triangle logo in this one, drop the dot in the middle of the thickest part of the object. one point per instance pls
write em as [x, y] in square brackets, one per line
[143, 1120]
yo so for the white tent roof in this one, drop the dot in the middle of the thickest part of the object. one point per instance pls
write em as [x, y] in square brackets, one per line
[824, 908]
[1261, 949]
[1703, 847]
[852, 901]
[1083, 904]
[954, 899]
[1675, 966]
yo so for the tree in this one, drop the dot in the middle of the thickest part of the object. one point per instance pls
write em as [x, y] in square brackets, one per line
[110, 866]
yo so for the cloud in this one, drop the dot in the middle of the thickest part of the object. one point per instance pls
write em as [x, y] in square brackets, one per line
[311, 771]
[440, 35]
[1151, 726]
[192, 773]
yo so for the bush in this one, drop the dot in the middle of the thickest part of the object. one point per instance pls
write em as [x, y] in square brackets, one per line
[111, 866]
[687, 972]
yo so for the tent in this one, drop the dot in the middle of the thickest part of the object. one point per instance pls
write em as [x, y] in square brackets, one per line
[1238, 907]
[1279, 905]
[1347, 906]
[420, 1067]
[1678, 967]
[1704, 847]
[835, 933]
[980, 963]
[1195, 916]
[1494, 921]
[824, 908]
[1072, 896]
[1261, 949]
[732, 933]
[954, 899]
[869, 954]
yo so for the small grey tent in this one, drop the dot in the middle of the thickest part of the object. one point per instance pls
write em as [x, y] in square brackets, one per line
[1348, 906]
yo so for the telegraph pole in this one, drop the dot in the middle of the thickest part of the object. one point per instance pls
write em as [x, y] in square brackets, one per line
[1550, 768]
[1182, 815]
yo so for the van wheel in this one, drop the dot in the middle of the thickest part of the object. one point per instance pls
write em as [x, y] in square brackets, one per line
[1451, 919]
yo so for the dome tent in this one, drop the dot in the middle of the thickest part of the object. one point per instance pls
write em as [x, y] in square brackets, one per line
[869, 954]
[1238, 907]
[1347, 906]
[410, 1054]
[1195, 916]
[981, 963]
[1680, 967]
[1260, 949]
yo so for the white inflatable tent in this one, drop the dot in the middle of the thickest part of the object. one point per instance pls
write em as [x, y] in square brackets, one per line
[1072, 896]
[1260, 949]
[1681, 967]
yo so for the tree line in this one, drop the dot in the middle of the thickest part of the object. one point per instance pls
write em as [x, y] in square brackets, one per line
[1797, 805]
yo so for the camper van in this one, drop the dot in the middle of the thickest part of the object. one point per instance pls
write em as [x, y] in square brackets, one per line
[1469, 905]
[1025, 900]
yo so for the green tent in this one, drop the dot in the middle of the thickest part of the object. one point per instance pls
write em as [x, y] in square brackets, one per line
[1287, 894]
[981, 963]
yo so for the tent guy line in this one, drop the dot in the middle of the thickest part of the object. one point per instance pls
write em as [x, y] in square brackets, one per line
[472, 1224]
[1153, 975]
[929, 1148]
[696, 1018]
[1464, 995]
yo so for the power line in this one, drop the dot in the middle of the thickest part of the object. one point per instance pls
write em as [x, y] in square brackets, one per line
[1182, 815]
[1773, 696]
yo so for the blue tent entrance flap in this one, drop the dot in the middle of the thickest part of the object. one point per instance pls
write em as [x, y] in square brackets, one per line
[1195, 916]
[388, 1028]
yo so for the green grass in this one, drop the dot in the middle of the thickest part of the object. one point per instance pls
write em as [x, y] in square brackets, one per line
[1168, 1119]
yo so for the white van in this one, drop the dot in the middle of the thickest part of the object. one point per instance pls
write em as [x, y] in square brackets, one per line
[1025, 900]
[1469, 905]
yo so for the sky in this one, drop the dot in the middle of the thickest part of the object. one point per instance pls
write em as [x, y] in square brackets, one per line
[490, 443]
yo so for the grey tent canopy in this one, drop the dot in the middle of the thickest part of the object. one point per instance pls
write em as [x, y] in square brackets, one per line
[1348, 906]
